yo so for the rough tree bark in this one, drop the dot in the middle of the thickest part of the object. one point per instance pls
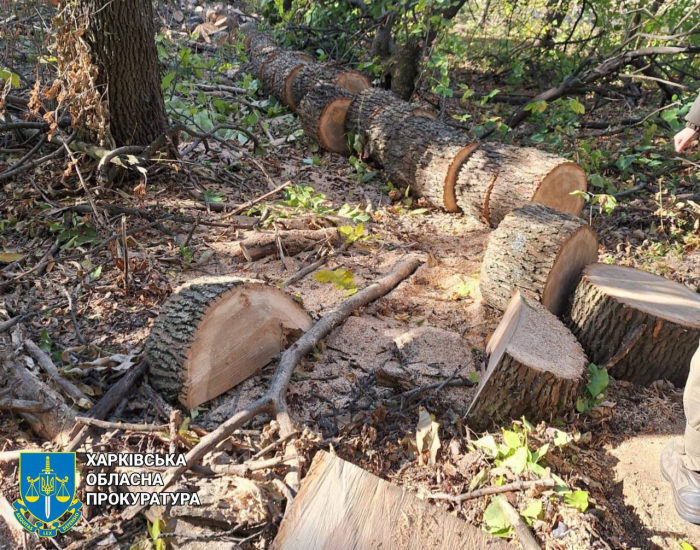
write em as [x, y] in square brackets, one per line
[539, 250]
[641, 326]
[121, 37]
[535, 366]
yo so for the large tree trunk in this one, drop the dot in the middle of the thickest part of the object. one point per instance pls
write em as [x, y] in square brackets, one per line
[121, 37]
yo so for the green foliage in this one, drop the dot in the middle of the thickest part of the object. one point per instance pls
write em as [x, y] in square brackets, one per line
[155, 529]
[342, 279]
[353, 234]
[8, 75]
[495, 520]
[596, 389]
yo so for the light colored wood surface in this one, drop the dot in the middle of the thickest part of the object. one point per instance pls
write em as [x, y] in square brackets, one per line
[343, 507]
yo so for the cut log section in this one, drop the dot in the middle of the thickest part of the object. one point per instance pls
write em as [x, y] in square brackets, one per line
[382, 125]
[540, 250]
[308, 76]
[213, 333]
[292, 242]
[322, 115]
[341, 505]
[280, 65]
[259, 43]
[422, 153]
[641, 326]
[535, 367]
[500, 178]
[287, 66]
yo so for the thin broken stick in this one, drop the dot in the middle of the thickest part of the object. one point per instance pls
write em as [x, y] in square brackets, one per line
[525, 537]
[255, 201]
[273, 399]
[496, 489]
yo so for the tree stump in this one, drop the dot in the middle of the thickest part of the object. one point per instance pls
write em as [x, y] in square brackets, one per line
[213, 333]
[540, 250]
[641, 326]
[322, 114]
[308, 76]
[535, 367]
[425, 154]
[499, 178]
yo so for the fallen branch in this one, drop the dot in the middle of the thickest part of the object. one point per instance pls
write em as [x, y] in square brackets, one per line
[495, 490]
[23, 405]
[273, 399]
[521, 529]
[261, 198]
[46, 364]
[97, 423]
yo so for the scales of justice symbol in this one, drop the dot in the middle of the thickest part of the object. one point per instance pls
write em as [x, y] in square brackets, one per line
[47, 488]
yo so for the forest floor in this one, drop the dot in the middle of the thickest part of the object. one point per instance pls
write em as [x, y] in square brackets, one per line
[432, 328]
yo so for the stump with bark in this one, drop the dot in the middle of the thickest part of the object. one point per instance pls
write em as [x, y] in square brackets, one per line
[535, 367]
[424, 154]
[641, 326]
[540, 250]
[213, 333]
[308, 76]
[499, 178]
[322, 115]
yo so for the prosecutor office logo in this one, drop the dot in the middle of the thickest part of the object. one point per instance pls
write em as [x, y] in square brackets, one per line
[47, 492]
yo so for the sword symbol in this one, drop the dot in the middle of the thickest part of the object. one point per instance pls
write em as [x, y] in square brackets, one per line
[47, 507]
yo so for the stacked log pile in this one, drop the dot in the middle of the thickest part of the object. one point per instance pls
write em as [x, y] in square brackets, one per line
[438, 163]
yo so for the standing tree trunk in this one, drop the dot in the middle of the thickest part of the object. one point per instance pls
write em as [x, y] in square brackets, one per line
[121, 40]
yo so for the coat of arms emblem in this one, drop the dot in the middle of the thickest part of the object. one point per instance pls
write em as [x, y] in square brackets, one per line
[47, 493]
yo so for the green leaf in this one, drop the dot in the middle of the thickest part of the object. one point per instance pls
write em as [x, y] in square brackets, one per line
[577, 107]
[6, 74]
[534, 511]
[45, 341]
[577, 499]
[539, 454]
[686, 545]
[474, 377]
[167, 80]
[488, 443]
[495, 520]
[512, 440]
[518, 461]
[561, 438]
[598, 380]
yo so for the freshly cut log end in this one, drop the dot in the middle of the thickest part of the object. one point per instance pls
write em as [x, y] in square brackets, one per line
[342, 506]
[641, 326]
[306, 78]
[500, 178]
[425, 154]
[538, 249]
[322, 113]
[213, 333]
[535, 367]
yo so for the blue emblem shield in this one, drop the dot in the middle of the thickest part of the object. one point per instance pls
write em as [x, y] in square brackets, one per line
[47, 491]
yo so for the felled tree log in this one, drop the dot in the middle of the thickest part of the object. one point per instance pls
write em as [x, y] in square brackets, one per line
[535, 367]
[423, 153]
[258, 43]
[292, 242]
[286, 69]
[340, 505]
[497, 179]
[383, 124]
[540, 250]
[308, 76]
[641, 326]
[364, 106]
[322, 115]
[213, 333]
[280, 65]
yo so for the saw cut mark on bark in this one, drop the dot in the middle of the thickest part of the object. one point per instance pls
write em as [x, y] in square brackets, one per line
[538, 249]
[340, 505]
[644, 327]
[307, 77]
[535, 367]
[213, 333]
[322, 113]
[500, 178]
[274, 398]
[364, 106]
[427, 155]
[278, 65]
